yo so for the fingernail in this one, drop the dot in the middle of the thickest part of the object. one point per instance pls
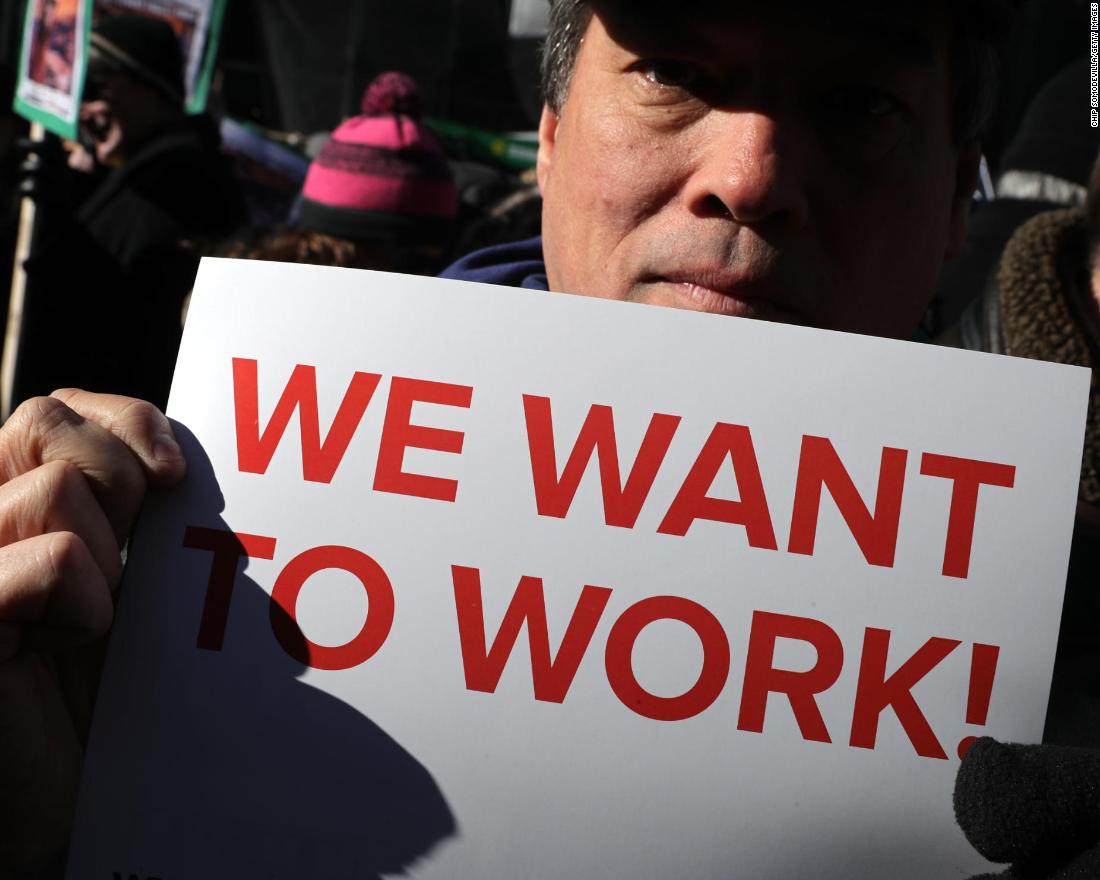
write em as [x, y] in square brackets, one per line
[166, 449]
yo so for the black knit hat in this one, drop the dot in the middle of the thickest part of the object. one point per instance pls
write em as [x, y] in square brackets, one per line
[144, 47]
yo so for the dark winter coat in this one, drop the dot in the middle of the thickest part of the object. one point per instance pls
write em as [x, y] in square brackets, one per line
[106, 281]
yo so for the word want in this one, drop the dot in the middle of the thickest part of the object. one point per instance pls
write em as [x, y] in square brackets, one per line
[553, 674]
[729, 446]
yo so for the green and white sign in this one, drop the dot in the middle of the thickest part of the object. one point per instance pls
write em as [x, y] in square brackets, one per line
[52, 63]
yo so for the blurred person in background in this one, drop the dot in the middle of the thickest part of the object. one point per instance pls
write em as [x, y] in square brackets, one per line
[1045, 165]
[379, 194]
[109, 268]
[1043, 302]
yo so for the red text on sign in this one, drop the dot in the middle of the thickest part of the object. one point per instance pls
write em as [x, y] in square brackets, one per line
[229, 549]
[485, 658]
[255, 448]
[552, 676]
[729, 447]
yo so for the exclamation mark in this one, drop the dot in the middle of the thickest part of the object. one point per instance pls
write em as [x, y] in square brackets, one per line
[983, 667]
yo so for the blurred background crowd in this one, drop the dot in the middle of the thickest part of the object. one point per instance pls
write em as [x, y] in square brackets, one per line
[371, 134]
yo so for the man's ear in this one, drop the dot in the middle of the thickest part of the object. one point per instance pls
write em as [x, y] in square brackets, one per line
[967, 168]
[548, 132]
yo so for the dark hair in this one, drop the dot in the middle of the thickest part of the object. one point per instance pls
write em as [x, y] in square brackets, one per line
[299, 245]
[980, 27]
[980, 30]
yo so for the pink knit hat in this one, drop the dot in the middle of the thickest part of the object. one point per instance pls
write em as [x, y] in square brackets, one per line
[382, 175]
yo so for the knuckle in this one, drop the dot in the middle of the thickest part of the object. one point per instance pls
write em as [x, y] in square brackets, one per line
[66, 556]
[39, 416]
[138, 417]
[62, 502]
[57, 486]
[72, 568]
[43, 411]
[65, 394]
[60, 480]
[26, 433]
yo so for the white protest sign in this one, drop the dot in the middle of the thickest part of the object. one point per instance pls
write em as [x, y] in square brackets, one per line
[473, 582]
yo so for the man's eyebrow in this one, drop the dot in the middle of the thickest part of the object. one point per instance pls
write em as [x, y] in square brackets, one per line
[646, 29]
[907, 43]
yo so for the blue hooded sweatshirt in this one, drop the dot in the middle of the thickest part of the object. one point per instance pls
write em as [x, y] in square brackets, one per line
[517, 264]
[520, 264]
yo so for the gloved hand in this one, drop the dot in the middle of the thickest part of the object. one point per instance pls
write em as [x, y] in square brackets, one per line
[1037, 807]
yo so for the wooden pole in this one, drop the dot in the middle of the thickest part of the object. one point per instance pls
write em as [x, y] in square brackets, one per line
[13, 331]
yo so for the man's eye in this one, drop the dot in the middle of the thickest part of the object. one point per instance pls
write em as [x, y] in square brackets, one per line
[673, 74]
[866, 101]
[864, 121]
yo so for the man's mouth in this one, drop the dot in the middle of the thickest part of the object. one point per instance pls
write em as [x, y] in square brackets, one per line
[726, 294]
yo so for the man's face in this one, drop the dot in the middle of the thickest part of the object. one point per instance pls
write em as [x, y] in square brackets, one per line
[786, 169]
[121, 115]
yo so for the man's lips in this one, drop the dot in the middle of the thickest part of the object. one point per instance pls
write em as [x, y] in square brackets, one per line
[726, 294]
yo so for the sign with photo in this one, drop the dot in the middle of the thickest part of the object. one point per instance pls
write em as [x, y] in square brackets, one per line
[52, 63]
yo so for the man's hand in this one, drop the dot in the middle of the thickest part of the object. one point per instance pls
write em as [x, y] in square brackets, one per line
[74, 468]
[102, 128]
[1037, 807]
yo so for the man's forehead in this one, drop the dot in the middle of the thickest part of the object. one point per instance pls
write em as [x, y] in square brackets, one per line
[911, 32]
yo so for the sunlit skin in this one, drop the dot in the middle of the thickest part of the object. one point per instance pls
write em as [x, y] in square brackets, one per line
[741, 168]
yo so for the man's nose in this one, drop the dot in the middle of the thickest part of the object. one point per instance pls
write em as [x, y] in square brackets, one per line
[751, 170]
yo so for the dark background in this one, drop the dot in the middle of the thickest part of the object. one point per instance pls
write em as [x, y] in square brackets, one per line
[302, 66]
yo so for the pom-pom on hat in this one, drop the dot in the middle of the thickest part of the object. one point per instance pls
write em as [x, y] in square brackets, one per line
[382, 175]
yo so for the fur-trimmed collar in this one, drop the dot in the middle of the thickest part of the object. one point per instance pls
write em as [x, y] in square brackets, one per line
[1042, 290]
